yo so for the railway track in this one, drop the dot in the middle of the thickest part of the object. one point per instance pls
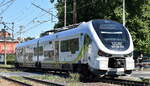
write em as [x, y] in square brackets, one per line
[104, 80]
[43, 82]
[16, 81]
[37, 81]
[123, 82]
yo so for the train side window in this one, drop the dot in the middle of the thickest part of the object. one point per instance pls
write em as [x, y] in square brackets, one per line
[70, 45]
[65, 46]
[49, 53]
[45, 53]
[50, 42]
[74, 45]
[30, 55]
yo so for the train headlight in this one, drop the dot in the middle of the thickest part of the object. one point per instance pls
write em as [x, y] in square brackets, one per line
[101, 53]
[129, 55]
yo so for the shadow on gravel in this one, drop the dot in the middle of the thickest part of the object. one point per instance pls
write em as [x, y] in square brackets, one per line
[45, 72]
[71, 75]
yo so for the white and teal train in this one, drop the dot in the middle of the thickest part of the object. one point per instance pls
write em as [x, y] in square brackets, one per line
[103, 47]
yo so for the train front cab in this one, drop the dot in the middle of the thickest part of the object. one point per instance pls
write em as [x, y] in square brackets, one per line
[114, 39]
[113, 65]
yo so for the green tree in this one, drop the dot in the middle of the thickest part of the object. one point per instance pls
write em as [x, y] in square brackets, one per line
[29, 38]
[138, 23]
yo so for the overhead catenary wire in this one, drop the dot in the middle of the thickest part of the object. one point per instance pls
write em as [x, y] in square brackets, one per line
[34, 26]
[26, 17]
[44, 10]
[70, 11]
[34, 19]
[27, 22]
[12, 1]
[21, 13]
[39, 16]
[26, 14]
[3, 3]
[31, 22]
[49, 13]
[30, 28]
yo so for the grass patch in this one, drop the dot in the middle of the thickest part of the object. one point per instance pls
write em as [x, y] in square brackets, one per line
[19, 79]
[26, 81]
[9, 70]
[74, 77]
[72, 80]
[6, 66]
[11, 59]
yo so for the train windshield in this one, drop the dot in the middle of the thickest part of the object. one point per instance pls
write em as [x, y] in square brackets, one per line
[113, 35]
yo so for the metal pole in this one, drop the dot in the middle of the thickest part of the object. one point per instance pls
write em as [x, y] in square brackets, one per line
[65, 13]
[123, 17]
[5, 50]
[74, 12]
[13, 30]
[4, 33]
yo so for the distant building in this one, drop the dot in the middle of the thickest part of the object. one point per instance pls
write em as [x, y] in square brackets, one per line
[6, 40]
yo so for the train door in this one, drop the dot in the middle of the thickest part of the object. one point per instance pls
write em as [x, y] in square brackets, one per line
[56, 50]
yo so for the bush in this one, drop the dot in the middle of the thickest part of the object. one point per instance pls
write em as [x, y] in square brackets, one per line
[10, 59]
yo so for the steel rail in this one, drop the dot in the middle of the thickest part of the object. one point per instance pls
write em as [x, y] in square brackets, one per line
[124, 82]
[15, 81]
[43, 82]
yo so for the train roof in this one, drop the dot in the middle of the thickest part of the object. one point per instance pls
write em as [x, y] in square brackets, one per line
[57, 35]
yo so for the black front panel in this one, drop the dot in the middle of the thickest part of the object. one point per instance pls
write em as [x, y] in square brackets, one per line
[116, 62]
[113, 35]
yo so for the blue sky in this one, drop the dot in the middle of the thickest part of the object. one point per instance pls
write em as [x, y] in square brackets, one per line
[22, 13]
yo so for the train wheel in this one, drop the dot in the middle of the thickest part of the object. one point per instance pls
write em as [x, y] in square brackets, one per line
[17, 65]
[87, 76]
